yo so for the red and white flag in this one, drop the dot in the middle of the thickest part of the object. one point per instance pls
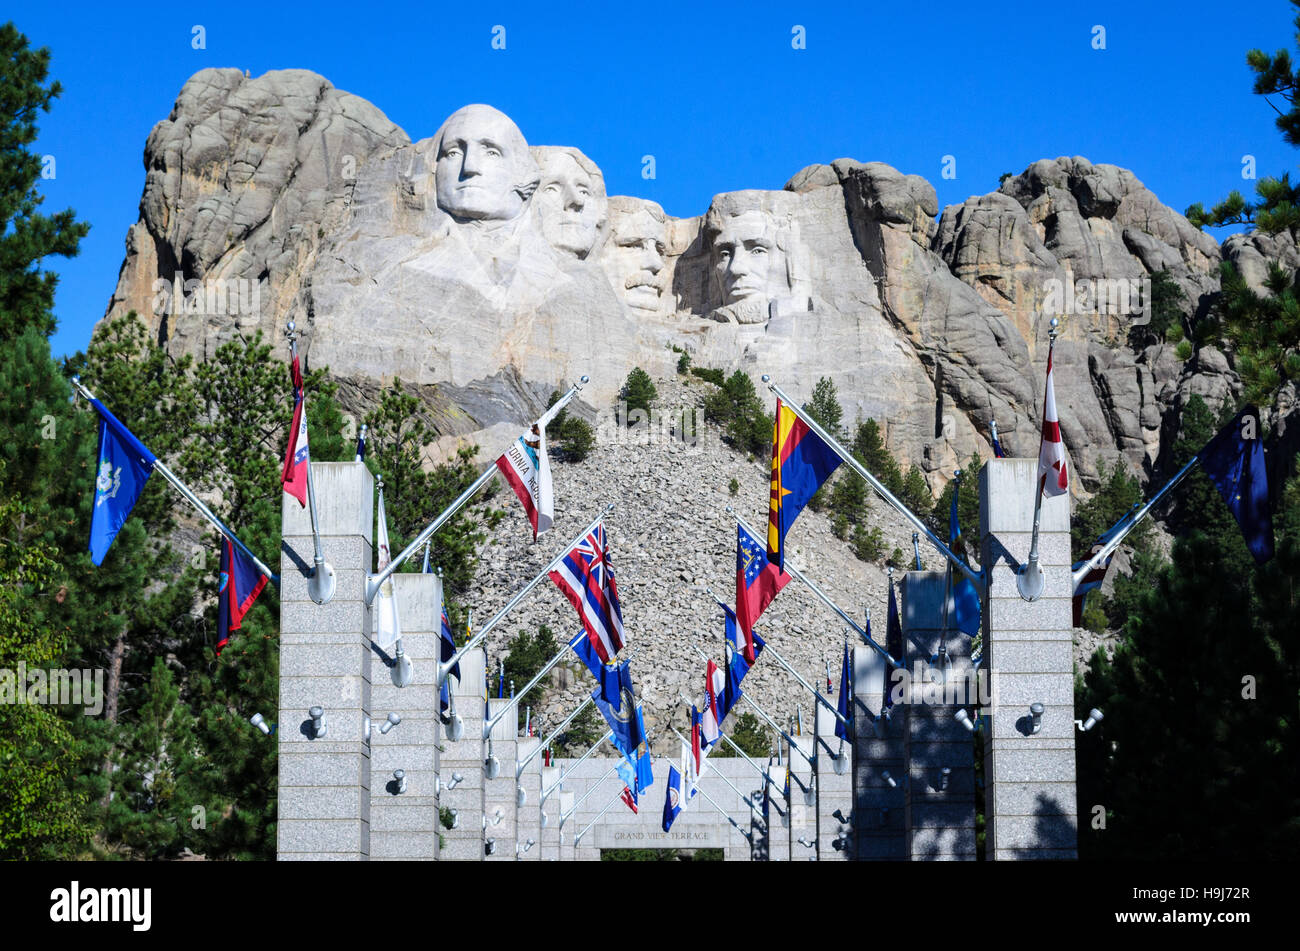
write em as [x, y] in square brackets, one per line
[1051, 452]
[714, 683]
[629, 797]
[297, 457]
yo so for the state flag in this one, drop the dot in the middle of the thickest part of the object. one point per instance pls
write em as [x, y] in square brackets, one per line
[801, 462]
[123, 468]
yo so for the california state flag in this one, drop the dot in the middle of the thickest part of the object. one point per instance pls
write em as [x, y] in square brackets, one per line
[387, 630]
[525, 466]
[1051, 452]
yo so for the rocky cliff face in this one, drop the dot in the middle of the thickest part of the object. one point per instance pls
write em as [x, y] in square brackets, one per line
[488, 273]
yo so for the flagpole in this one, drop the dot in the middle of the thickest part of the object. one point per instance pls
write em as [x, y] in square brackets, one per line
[1030, 580]
[749, 837]
[1137, 517]
[590, 789]
[872, 481]
[718, 773]
[320, 586]
[916, 549]
[193, 499]
[600, 815]
[798, 575]
[519, 770]
[550, 664]
[510, 605]
[564, 772]
[374, 581]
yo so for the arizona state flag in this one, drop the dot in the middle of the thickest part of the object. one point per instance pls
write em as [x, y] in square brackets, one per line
[241, 582]
[801, 462]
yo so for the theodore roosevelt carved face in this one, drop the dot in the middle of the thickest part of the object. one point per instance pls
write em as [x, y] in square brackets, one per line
[483, 171]
[634, 255]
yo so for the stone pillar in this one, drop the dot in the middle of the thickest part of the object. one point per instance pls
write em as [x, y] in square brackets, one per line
[548, 812]
[405, 825]
[464, 757]
[778, 813]
[803, 801]
[499, 808]
[564, 834]
[940, 810]
[834, 762]
[325, 660]
[878, 750]
[528, 821]
[1030, 803]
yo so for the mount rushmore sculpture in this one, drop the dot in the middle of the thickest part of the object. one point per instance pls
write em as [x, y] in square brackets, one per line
[487, 273]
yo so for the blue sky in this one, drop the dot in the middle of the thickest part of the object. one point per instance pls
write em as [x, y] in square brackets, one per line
[714, 91]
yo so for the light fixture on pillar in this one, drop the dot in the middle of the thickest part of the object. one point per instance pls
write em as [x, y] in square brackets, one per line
[808, 843]
[260, 722]
[890, 781]
[522, 847]
[1035, 717]
[490, 847]
[546, 820]
[945, 776]
[521, 796]
[841, 762]
[497, 816]
[455, 818]
[401, 671]
[942, 662]
[1095, 716]
[456, 728]
[318, 727]
[962, 717]
[456, 780]
[388, 724]
[491, 765]
[399, 781]
[839, 816]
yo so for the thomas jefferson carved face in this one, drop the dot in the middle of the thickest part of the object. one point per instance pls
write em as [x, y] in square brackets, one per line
[634, 256]
[483, 171]
[744, 257]
[570, 203]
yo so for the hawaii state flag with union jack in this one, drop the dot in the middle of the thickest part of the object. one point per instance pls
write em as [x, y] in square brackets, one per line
[586, 577]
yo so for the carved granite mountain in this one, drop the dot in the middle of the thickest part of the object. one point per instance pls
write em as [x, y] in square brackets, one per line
[488, 272]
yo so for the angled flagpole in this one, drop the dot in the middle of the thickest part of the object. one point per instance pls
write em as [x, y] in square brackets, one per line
[320, 586]
[374, 581]
[572, 766]
[749, 802]
[600, 815]
[749, 837]
[550, 664]
[193, 499]
[590, 789]
[875, 484]
[513, 602]
[798, 575]
[519, 770]
[1136, 517]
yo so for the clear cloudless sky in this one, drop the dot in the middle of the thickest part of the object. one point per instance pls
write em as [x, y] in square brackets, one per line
[714, 91]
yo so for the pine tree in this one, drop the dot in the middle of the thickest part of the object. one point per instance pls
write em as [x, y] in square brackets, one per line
[638, 393]
[26, 236]
[825, 407]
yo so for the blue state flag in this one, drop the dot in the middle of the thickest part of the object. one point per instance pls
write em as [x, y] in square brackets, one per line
[672, 797]
[1234, 461]
[606, 676]
[124, 466]
[843, 706]
[621, 713]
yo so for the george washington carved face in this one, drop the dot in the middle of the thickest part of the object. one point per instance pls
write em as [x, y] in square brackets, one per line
[483, 171]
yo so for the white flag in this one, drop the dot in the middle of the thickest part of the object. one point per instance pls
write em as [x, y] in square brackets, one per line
[1051, 451]
[387, 630]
